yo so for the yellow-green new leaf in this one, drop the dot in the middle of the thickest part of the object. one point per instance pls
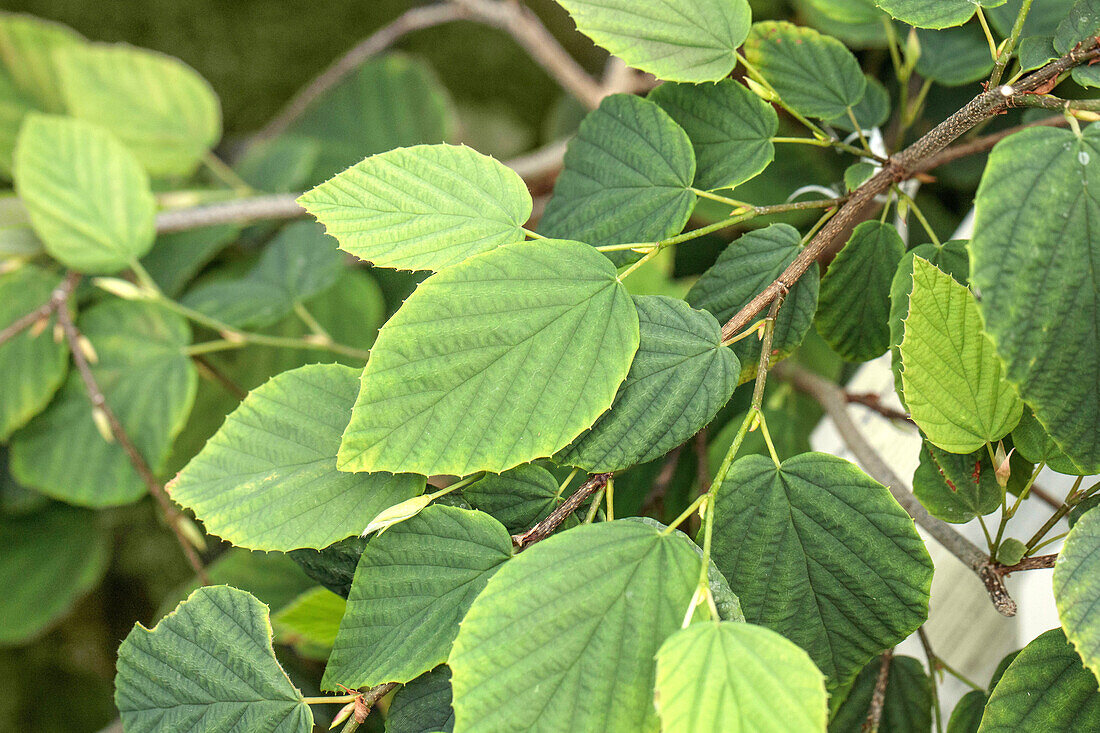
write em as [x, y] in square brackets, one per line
[675, 40]
[953, 380]
[422, 208]
[267, 480]
[27, 53]
[208, 665]
[738, 678]
[87, 196]
[1077, 588]
[160, 107]
[494, 362]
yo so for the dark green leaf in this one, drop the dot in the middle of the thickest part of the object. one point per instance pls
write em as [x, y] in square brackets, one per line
[967, 715]
[1077, 588]
[1083, 22]
[332, 566]
[1033, 443]
[423, 705]
[954, 57]
[908, 706]
[518, 498]
[956, 488]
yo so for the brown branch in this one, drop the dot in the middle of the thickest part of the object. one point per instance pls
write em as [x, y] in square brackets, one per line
[1035, 562]
[546, 527]
[58, 298]
[878, 697]
[702, 464]
[831, 398]
[99, 404]
[983, 144]
[872, 401]
[901, 166]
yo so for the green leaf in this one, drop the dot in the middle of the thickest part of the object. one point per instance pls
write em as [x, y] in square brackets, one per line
[848, 11]
[1036, 51]
[857, 174]
[1035, 211]
[953, 380]
[737, 677]
[32, 363]
[423, 705]
[823, 554]
[934, 13]
[679, 40]
[27, 53]
[854, 303]
[86, 195]
[1043, 19]
[950, 257]
[519, 499]
[908, 705]
[1077, 588]
[1083, 22]
[1045, 688]
[627, 177]
[746, 267]
[871, 112]
[160, 107]
[730, 129]
[391, 101]
[208, 665]
[680, 378]
[956, 488]
[814, 74]
[494, 362]
[413, 586]
[13, 108]
[313, 618]
[332, 566]
[148, 381]
[1033, 443]
[967, 715]
[177, 257]
[267, 480]
[422, 208]
[954, 57]
[584, 612]
[51, 558]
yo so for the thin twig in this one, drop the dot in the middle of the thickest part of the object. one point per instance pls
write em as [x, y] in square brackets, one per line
[546, 527]
[878, 697]
[930, 656]
[58, 298]
[831, 399]
[902, 166]
[872, 401]
[1035, 562]
[172, 516]
[655, 498]
[702, 464]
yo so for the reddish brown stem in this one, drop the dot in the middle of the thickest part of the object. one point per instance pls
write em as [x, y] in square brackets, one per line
[546, 527]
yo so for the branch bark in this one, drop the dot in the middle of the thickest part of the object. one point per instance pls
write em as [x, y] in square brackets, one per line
[832, 400]
[903, 165]
[99, 402]
[878, 697]
[58, 299]
[546, 527]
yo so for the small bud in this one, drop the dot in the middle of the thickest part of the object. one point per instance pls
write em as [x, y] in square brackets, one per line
[122, 288]
[102, 424]
[343, 715]
[39, 326]
[398, 513]
[1001, 468]
[318, 339]
[87, 349]
[1011, 552]
[191, 531]
[58, 333]
[759, 90]
[912, 48]
[11, 265]
[232, 337]
[1085, 115]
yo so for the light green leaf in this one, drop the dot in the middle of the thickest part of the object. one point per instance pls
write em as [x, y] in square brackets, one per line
[739, 678]
[584, 612]
[51, 558]
[518, 499]
[953, 380]
[967, 715]
[954, 57]
[494, 362]
[680, 378]
[423, 705]
[27, 53]
[1077, 588]
[627, 177]
[208, 665]
[745, 268]
[312, 618]
[32, 363]
[730, 129]
[160, 107]
[950, 257]
[908, 705]
[814, 74]
[13, 108]
[391, 101]
[149, 382]
[267, 480]
[422, 208]
[1045, 688]
[823, 554]
[854, 303]
[934, 13]
[1035, 211]
[87, 196]
[677, 40]
[412, 587]
[956, 488]
[1032, 442]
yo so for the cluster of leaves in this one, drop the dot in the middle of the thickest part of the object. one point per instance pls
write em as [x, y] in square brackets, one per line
[526, 354]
